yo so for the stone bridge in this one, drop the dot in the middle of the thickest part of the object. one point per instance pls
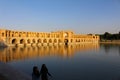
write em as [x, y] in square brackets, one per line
[23, 38]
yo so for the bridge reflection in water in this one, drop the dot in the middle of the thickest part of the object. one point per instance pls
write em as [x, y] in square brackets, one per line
[20, 53]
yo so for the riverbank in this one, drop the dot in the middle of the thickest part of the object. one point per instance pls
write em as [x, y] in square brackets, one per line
[110, 42]
[9, 73]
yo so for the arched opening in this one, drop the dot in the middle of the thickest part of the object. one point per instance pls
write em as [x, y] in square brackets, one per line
[50, 41]
[28, 41]
[33, 40]
[22, 41]
[45, 41]
[14, 41]
[66, 41]
[2, 34]
[20, 34]
[65, 35]
[16, 34]
[39, 41]
[55, 41]
[37, 34]
[59, 41]
[82, 40]
[12, 35]
[76, 40]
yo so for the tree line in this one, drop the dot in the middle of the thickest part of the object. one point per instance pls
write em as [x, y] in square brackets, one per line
[109, 36]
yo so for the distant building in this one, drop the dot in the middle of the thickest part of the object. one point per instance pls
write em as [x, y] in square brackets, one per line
[23, 38]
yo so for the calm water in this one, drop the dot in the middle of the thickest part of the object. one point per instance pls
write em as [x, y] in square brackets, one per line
[80, 62]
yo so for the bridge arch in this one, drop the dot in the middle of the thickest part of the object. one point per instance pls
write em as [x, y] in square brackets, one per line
[33, 41]
[59, 41]
[66, 41]
[65, 35]
[22, 41]
[50, 40]
[55, 40]
[20, 34]
[39, 40]
[45, 41]
[28, 41]
[14, 41]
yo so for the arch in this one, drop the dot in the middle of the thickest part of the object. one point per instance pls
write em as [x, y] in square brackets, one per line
[50, 41]
[16, 34]
[76, 40]
[37, 34]
[24, 34]
[44, 41]
[14, 41]
[66, 41]
[28, 41]
[20, 34]
[59, 40]
[39, 41]
[12, 35]
[57, 35]
[2, 34]
[33, 41]
[55, 40]
[81, 40]
[84, 40]
[22, 41]
[65, 34]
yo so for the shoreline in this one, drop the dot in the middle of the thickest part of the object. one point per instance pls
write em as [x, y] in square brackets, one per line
[109, 42]
[9, 73]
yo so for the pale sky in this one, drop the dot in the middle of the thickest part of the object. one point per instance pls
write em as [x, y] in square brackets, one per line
[80, 16]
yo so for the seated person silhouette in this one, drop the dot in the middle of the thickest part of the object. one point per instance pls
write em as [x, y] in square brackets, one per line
[35, 73]
[44, 72]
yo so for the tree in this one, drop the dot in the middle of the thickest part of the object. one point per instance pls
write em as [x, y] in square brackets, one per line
[107, 36]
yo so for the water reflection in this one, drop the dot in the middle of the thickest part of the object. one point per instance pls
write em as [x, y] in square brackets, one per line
[119, 50]
[111, 48]
[19, 53]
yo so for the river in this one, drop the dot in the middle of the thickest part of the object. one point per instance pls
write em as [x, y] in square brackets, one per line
[75, 62]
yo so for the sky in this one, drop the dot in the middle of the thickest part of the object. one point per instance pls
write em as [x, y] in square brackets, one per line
[80, 16]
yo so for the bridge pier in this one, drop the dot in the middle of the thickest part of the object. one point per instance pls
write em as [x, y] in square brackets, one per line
[50, 44]
[39, 44]
[44, 44]
[60, 43]
[55, 44]
[27, 45]
[33, 44]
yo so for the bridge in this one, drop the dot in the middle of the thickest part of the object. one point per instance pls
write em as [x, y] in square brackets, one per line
[27, 38]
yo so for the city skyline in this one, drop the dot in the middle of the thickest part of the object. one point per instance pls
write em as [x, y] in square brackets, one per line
[80, 16]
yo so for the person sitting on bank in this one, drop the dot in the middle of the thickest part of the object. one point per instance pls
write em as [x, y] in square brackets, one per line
[35, 73]
[44, 72]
